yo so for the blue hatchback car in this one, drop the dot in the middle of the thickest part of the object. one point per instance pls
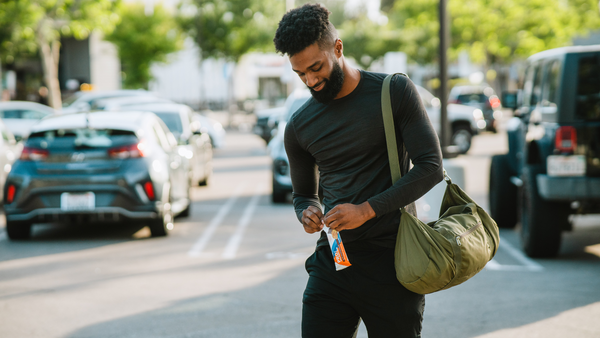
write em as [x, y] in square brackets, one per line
[97, 167]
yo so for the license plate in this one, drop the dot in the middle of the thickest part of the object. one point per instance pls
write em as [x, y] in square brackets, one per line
[566, 165]
[77, 201]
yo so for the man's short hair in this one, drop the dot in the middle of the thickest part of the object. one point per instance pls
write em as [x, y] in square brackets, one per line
[302, 27]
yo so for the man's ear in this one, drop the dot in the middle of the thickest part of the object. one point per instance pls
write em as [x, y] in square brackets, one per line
[338, 48]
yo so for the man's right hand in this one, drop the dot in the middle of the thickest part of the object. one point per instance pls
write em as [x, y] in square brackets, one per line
[312, 219]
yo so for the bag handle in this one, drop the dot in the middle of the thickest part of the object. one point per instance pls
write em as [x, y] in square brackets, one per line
[390, 131]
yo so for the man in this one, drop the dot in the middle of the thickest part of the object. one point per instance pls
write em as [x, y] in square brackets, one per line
[337, 141]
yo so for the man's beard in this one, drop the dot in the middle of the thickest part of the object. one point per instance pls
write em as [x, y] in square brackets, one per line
[332, 86]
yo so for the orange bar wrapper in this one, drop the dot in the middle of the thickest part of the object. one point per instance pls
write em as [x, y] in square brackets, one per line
[337, 249]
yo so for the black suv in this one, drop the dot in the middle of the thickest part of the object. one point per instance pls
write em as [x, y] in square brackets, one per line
[552, 168]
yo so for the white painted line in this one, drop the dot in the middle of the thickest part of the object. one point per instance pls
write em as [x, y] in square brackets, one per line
[196, 250]
[2, 236]
[518, 255]
[528, 264]
[236, 238]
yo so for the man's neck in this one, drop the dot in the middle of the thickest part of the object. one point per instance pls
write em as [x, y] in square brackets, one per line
[351, 80]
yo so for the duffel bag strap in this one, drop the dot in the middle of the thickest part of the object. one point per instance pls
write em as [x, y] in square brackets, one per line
[390, 131]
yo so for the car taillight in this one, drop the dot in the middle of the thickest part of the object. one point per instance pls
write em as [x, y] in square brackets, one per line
[494, 101]
[10, 193]
[128, 151]
[149, 190]
[34, 154]
[566, 139]
[455, 101]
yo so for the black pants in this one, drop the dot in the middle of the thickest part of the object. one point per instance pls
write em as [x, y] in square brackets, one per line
[335, 301]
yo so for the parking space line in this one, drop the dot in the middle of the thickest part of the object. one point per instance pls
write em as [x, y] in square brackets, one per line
[236, 238]
[528, 264]
[215, 222]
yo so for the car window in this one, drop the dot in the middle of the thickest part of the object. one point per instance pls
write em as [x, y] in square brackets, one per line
[528, 85]
[536, 92]
[172, 120]
[80, 138]
[587, 104]
[161, 137]
[33, 115]
[11, 114]
[551, 84]
[472, 98]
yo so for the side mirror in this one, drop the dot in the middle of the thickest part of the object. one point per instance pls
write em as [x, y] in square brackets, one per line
[509, 100]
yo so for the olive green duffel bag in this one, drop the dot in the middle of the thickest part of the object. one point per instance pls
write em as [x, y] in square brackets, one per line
[441, 254]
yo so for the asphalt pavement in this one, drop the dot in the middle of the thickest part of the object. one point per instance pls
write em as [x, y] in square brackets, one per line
[235, 268]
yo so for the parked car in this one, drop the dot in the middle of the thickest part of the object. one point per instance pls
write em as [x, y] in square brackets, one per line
[482, 97]
[97, 167]
[463, 120]
[192, 143]
[84, 101]
[9, 152]
[266, 122]
[124, 102]
[282, 182]
[552, 168]
[20, 116]
[211, 126]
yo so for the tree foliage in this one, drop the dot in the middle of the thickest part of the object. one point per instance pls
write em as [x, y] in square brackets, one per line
[45, 21]
[230, 29]
[492, 31]
[144, 39]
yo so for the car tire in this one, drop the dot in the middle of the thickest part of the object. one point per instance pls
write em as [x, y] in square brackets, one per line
[18, 230]
[205, 182]
[461, 137]
[502, 193]
[541, 221]
[159, 226]
[279, 195]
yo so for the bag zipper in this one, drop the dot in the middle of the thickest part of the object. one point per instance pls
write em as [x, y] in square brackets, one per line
[468, 232]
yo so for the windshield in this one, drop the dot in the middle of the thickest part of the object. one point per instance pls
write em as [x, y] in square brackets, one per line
[173, 122]
[69, 101]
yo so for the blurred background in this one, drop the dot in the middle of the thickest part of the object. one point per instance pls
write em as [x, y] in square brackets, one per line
[126, 121]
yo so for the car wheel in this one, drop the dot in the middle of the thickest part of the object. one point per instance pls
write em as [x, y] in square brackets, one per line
[186, 211]
[206, 179]
[541, 221]
[18, 230]
[502, 193]
[160, 226]
[279, 195]
[461, 137]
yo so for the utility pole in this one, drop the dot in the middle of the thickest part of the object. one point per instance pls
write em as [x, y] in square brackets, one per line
[444, 37]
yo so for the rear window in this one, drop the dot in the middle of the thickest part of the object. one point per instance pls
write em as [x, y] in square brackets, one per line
[84, 138]
[588, 89]
[467, 98]
[22, 114]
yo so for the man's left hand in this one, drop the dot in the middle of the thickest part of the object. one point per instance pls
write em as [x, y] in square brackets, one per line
[348, 216]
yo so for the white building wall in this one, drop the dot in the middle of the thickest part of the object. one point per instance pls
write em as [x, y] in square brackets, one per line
[105, 66]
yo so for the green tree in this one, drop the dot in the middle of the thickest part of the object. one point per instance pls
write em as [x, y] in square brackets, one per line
[45, 21]
[17, 38]
[492, 31]
[143, 39]
[230, 29]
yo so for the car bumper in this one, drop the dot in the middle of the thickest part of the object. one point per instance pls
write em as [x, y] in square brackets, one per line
[568, 188]
[102, 214]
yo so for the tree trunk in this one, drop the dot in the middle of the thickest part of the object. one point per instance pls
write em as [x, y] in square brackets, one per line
[50, 56]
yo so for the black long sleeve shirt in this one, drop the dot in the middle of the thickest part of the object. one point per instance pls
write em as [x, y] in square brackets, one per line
[341, 146]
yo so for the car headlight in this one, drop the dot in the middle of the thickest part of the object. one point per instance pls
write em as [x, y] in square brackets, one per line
[478, 114]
